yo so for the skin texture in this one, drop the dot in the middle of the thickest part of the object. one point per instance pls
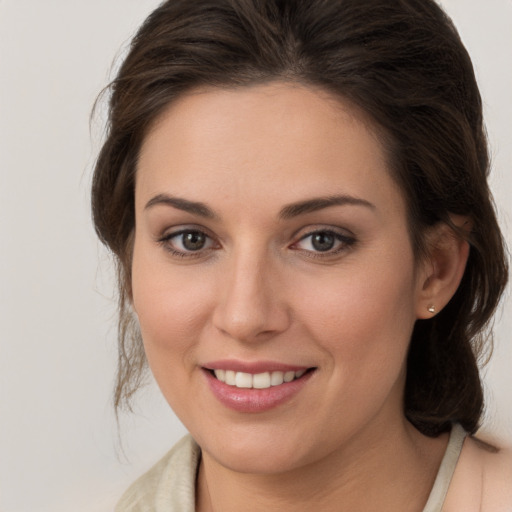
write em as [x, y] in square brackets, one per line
[259, 291]
[482, 479]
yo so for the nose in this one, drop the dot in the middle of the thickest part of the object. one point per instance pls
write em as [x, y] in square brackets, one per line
[250, 306]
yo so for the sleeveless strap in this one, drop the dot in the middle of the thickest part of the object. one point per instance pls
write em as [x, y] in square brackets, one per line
[446, 470]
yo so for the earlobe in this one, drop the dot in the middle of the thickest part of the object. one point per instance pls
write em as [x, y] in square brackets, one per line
[443, 268]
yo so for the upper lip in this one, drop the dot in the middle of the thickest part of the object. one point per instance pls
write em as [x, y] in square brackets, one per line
[253, 367]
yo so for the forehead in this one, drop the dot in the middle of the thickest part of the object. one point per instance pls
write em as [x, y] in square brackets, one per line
[270, 140]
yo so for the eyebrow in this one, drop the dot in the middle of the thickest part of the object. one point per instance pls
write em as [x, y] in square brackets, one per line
[287, 212]
[319, 203]
[193, 207]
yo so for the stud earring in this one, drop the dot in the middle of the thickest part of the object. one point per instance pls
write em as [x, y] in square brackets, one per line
[431, 309]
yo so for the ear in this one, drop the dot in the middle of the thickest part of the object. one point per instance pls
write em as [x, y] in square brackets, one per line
[443, 268]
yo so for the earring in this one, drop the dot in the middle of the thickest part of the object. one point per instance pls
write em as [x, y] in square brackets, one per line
[431, 309]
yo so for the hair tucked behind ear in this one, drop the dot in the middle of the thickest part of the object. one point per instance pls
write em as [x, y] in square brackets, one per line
[403, 64]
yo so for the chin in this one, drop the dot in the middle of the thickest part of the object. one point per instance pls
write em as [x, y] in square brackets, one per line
[254, 459]
[257, 450]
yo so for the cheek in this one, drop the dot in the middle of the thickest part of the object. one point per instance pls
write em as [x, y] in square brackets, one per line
[362, 318]
[363, 324]
[171, 307]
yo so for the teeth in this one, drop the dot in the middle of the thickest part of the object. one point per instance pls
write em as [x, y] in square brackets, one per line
[257, 381]
[276, 378]
[221, 375]
[243, 380]
[289, 376]
[261, 380]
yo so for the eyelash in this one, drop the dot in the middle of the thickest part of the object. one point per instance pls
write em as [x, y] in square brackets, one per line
[165, 241]
[345, 242]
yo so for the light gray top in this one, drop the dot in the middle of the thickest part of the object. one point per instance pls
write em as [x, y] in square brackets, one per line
[170, 485]
[446, 470]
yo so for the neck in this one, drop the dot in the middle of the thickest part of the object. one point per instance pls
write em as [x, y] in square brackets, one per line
[383, 469]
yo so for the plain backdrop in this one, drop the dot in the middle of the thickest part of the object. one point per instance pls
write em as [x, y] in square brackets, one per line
[59, 444]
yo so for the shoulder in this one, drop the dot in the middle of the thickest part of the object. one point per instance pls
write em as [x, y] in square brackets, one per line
[483, 478]
[497, 479]
[168, 483]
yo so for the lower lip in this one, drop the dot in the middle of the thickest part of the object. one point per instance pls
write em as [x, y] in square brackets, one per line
[252, 400]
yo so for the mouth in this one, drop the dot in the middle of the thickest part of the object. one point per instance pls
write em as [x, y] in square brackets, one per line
[259, 388]
[264, 380]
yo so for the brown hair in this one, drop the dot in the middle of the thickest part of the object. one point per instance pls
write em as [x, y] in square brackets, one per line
[403, 64]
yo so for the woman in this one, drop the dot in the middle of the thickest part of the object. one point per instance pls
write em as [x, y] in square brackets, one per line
[308, 255]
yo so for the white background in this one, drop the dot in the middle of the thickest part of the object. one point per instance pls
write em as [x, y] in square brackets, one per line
[59, 445]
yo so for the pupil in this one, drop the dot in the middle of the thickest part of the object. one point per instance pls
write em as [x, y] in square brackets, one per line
[193, 241]
[323, 241]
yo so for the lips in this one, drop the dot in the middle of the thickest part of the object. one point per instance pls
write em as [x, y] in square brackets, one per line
[244, 387]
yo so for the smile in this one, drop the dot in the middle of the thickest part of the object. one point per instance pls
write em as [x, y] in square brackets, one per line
[255, 388]
[257, 381]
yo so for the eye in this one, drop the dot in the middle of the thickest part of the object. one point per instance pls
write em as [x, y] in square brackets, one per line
[187, 242]
[324, 241]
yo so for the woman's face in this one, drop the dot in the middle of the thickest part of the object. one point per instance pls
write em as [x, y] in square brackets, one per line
[271, 244]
